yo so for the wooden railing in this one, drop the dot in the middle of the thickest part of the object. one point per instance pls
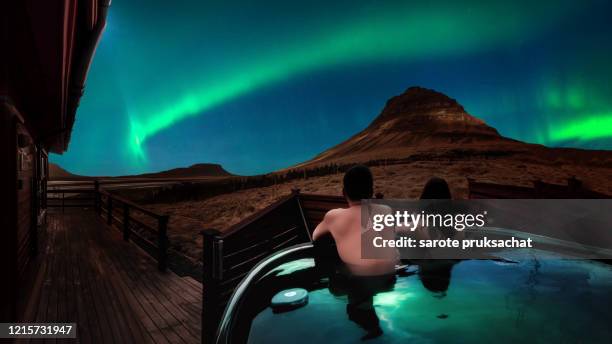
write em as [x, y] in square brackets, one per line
[144, 227]
[230, 255]
[70, 197]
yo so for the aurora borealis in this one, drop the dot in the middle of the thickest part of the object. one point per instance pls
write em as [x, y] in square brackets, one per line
[260, 86]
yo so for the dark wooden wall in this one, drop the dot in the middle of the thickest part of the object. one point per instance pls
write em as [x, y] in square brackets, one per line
[8, 233]
[26, 161]
[23, 210]
[46, 53]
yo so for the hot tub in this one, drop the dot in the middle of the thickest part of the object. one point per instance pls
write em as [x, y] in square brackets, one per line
[540, 299]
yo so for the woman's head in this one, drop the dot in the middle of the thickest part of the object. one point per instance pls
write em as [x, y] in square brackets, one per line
[435, 275]
[436, 188]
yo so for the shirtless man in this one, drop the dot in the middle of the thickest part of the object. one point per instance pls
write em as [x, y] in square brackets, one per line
[344, 224]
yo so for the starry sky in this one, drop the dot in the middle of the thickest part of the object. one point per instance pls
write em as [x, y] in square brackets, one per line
[262, 85]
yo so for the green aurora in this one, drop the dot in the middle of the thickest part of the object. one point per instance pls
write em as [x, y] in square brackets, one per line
[410, 33]
[162, 72]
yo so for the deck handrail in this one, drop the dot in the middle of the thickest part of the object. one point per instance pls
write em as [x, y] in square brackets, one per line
[61, 201]
[132, 204]
[120, 210]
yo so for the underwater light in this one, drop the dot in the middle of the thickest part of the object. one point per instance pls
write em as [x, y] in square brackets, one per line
[289, 299]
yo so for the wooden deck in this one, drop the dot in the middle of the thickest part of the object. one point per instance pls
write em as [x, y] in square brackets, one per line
[111, 288]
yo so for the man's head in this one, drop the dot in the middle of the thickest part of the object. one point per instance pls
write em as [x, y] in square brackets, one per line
[358, 183]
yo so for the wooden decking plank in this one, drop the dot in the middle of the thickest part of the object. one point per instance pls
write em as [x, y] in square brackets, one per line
[111, 288]
[52, 309]
[149, 301]
[85, 288]
[89, 250]
[187, 306]
[159, 284]
[186, 291]
[142, 312]
[193, 292]
[147, 285]
[72, 295]
[65, 300]
[84, 321]
[125, 307]
[193, 282]
[171, 302]
[43, 302]
[179, 292]
[131, 313]
[151, 313]
[136, 307]
[114, 300]
[113, 305]
[122, 303]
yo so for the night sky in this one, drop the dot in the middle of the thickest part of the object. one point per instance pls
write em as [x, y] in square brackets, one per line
[261, 85]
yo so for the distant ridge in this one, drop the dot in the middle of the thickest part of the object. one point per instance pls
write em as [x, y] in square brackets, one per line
[194, 171]
[58, 173]
[197, 170]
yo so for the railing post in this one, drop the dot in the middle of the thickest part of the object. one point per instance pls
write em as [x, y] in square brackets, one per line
[212, 258]
[162, 243]
[109, 209]
[126, 222]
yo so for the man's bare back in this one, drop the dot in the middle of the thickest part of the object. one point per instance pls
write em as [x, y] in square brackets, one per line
[344, 224]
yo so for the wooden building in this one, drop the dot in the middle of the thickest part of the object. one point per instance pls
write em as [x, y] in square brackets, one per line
[47, 48]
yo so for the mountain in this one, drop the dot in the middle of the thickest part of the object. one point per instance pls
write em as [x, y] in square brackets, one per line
[420, 114]
[426, 123]
[58, 173]
[194, 171]
[197, 170]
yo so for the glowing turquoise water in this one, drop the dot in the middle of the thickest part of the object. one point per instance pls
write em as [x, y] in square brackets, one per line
[536, 301]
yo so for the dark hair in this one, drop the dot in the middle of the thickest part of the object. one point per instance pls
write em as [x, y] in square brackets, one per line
[436, 275]
[436, 188]
[358, 183]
